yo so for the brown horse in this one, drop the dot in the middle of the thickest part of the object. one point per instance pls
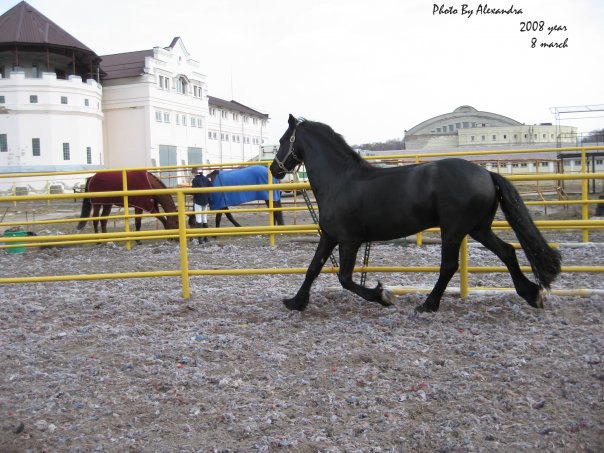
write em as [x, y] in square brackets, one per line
[136, 180]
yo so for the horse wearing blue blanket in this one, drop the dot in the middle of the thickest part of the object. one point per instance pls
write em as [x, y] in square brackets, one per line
[253, 175]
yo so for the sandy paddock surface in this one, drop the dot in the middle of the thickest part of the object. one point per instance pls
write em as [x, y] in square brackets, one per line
[128, 365]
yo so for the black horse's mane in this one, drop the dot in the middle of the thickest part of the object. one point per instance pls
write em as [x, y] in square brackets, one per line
[334, 138]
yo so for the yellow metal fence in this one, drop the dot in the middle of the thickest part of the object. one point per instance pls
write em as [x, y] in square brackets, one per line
[183, 233]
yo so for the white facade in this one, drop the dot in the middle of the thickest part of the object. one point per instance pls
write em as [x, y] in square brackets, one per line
[162, 115]
[49, 124]
[235, 132]
[157, 118]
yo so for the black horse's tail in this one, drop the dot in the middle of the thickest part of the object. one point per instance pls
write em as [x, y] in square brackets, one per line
[86, 209]
[544, 260]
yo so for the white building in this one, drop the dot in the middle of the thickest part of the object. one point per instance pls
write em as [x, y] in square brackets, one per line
[50, 102]
[158, 112]
[152, 108]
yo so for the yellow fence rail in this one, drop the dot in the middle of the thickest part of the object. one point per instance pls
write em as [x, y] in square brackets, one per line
[183, 233]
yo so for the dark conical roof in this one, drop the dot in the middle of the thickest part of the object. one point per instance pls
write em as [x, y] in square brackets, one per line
[23, 24]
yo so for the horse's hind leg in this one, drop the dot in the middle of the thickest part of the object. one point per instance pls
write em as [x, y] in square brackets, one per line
[526, 289]
[137, 222]
[300, 300]
[232, 219]
[348, 255]
[448, 266]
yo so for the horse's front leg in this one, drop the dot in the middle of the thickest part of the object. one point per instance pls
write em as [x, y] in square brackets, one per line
[105, 214]
[348, 256]
[324, 249]
[448, 266]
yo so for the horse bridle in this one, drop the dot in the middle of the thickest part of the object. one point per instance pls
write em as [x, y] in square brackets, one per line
[290, 152]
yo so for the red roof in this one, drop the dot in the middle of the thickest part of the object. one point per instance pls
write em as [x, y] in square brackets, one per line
[23, 24]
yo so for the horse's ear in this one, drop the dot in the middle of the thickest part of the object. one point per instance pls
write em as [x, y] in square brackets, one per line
[292, 120]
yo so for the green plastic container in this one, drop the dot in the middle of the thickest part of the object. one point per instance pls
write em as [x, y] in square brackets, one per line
[10, 234]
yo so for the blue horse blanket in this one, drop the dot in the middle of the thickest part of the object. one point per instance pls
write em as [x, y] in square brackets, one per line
[253, 175]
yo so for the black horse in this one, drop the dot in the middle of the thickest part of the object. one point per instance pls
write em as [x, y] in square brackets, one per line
[360, 203]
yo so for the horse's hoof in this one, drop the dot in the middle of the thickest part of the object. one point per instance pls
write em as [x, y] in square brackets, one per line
[292, 304]
[387, 298]
[539, 300]
[425, 308]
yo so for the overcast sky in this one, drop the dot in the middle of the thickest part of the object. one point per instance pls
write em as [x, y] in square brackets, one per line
[369, 68]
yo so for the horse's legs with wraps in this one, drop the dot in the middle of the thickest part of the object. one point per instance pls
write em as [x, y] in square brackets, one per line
[448, 266]
[348, 256]
[525, 288]
[324, 249]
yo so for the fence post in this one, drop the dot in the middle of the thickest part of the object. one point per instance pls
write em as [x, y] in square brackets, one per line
[463, 269]
[584, 193]
[182, 239]
[271, 205]
[418, 237]
[126, 218]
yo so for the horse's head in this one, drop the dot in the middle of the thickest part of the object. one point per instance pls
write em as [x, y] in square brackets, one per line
[212, 175]
[290, 154]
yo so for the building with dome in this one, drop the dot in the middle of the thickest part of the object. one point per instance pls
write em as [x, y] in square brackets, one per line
[467, 128]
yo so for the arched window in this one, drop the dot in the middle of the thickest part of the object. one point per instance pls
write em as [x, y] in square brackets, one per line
[181, 85]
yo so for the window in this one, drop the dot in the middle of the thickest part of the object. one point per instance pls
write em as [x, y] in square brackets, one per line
[66, 151]
[181, 85]
[192, 122]
[255, 121]
[451, 128]
[35, 146]
[164, 82]
[166, 117]
[225, 114]
[198, 122]
[494, 137]
[483, 138]
[235, 116]
[86, 102]
[438, 130]
[63, 99]
[212, 111]
[33, 99]
[158, 116]
[88, 155]
[505, 136]
[177, 119]
[471, 138]
[210, 135]
[2, 101]
[466, 124]
[544, 136]
[184, 120]
[457, 125]
[3, 143]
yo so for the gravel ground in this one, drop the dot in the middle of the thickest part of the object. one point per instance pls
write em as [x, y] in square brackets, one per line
[128, 365]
